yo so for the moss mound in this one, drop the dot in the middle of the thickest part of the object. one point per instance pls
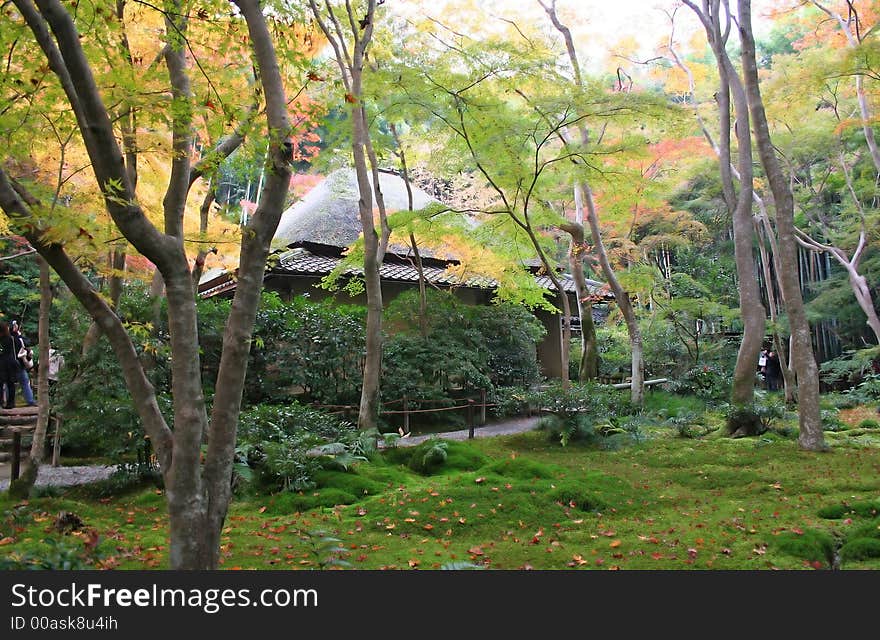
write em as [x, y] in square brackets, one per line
[349, 482]
[578, 497]
[436, 455]
[523, 469]
[290, 502]
[867, 509]
[860, 549]
[812, 545]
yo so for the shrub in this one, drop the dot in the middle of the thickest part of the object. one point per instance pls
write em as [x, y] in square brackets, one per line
[869, 423]
[278, 442]
[756, 418]
[433, 455]
[100, 418]
[743, 420]
[315, 347]
[707, 381]
[428, 456]
[466, 347]
[831, 420]
[570, 428]
[509, 401]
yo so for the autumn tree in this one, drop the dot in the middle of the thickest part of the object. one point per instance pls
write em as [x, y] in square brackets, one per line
[197, 480]
[807, 372]
[584, 200]
[349, 31]
[716, 20]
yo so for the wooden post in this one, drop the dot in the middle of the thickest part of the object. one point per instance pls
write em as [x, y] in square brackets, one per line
[405, 413]
[482, 407]
[470, 418]
[16, 454]
[56, 445]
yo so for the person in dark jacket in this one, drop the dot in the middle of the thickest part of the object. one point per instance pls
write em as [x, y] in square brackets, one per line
[20, 342]
[773, 371]
[8, 365]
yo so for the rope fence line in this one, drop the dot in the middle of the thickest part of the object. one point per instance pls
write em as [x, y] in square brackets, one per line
[472, 404]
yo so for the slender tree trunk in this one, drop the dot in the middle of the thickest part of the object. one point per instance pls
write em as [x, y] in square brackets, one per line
[637, 386]
[811, 436]
[637, 389]
[204, 210]
[369, 406]
[38, 444]
[351, 60]
[753, 313]
[588, 368]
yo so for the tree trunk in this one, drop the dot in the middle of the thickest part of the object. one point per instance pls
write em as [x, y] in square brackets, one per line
[197, 494]
[423, 293]
[811, 436]
[637, 389]
[588, 368]
[753, 313]
[38, 444]
[637, 382]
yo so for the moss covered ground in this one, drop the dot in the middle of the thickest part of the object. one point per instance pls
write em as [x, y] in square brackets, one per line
[520, 502]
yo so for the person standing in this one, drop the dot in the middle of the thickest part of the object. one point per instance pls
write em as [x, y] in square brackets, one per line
[25, 363]
[8, 366]
[762, 367]
[773, 371]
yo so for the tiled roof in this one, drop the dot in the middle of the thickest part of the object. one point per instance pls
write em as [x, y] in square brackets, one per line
[300, 261]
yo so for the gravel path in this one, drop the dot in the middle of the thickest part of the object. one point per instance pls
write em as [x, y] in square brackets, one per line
[67, 476]
[503, 428]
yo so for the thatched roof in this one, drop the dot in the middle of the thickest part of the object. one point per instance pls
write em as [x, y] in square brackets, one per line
[328, 213]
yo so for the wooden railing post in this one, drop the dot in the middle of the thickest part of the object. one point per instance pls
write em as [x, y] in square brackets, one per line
[56, 445]
[482, 407]
[16, 454]
[470, 418]
[405, 413]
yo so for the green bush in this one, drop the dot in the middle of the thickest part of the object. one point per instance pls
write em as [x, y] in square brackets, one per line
[100, 417]
[831, 420]
[509, 401]
[869, 423]
[708, 381]
[577, 428]
[582, 413]
[466, 347]
[277, 442]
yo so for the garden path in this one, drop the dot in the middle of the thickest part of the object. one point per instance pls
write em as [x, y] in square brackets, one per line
[67, 476]
[501, 428]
